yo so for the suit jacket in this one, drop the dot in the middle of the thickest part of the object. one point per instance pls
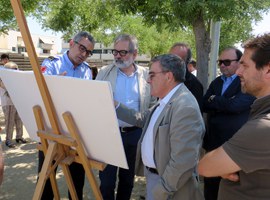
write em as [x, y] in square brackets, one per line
[109, 73]
[226, 113]
[178, 134]
[195, 87]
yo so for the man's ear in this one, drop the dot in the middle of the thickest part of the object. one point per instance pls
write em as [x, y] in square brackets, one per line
[267, 71]
[71, 43]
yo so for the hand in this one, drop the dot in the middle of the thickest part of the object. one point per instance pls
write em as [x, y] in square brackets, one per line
[232, 177]
[115, 103]
[63, 74]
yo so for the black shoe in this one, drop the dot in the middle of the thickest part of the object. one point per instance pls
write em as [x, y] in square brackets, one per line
[10, 144]
[21, 140]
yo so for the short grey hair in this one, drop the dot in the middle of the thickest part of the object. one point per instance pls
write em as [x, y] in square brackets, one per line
[84, 34]
[133, 42]
[174, 64]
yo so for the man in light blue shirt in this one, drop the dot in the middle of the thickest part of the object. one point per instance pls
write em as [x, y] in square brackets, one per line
[71, 63]
[227, 110]
[129, 86]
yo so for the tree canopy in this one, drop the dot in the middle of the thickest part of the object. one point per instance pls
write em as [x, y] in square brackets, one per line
[156, 23]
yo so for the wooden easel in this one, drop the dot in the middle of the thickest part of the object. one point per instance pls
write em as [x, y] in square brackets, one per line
[58, 149]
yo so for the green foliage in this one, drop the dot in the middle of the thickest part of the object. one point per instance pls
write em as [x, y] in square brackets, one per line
[7, 17]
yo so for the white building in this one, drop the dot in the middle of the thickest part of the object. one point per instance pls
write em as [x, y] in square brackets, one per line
[13, 43]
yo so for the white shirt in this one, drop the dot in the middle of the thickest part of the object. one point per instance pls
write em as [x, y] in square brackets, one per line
[147, 146]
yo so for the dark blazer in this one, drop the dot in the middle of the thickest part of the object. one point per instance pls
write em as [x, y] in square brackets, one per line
[195, 87]
[226, 113]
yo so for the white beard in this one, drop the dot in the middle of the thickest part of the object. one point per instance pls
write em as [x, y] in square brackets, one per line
[123, 64]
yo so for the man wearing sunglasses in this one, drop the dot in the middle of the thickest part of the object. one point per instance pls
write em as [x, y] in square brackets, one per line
[129, 86]
[71, 63]
[227, 110]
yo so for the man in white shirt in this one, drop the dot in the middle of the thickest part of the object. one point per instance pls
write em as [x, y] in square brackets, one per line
[168, 149]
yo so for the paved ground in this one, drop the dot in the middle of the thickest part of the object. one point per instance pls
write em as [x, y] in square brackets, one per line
[21, 173]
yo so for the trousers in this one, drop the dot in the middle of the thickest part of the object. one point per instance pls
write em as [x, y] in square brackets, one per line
[12, 119]
[125, 176]
[77, 174]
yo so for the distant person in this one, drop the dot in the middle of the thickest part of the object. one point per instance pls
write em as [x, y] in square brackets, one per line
[94, 72]
[243, 161]
[168, 150]
[128, 81]
[12, 117]
[192, 83]
[1, 163]
[4, 58]
[192, 67]
[227, 110]
[71, 63]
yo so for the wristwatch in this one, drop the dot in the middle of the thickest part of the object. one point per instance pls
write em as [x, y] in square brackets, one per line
[211, 98]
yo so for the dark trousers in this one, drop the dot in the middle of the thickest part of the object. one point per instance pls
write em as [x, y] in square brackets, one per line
[125, 177]
[211, 186]
[77, 173]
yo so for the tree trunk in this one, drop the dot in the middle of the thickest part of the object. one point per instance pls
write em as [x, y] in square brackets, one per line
[203, 47]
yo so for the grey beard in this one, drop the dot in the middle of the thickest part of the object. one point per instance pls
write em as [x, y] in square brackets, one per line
[123, 64]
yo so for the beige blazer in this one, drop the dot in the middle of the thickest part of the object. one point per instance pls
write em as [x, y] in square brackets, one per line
[109, 73]
[178, 134]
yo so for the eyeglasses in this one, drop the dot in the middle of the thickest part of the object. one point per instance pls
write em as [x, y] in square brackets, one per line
[83, 49]
[151, 75]
[226, 62]
[121, 52]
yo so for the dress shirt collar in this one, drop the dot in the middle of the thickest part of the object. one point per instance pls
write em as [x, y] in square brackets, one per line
[224, 78]
[166, 99]
[135, 72]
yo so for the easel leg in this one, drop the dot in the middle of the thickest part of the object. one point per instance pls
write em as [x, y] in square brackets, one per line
[81, 152]
[52, 149]
[69, 181]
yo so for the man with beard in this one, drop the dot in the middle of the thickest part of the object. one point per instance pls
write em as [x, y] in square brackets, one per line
[130, 88]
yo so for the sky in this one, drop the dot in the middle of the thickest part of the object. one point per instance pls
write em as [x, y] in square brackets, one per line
[34, 28]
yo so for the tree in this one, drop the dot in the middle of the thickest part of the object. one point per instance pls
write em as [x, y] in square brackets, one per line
[7, 18]
[176, 14]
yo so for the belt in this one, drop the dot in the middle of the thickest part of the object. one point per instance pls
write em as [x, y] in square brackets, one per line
[127, 129]
[152, 170]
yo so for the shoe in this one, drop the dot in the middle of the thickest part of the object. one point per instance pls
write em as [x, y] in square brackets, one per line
[21, 140]
[10, 144]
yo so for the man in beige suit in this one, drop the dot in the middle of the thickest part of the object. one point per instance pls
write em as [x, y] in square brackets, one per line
[129, 86]
[168, 150]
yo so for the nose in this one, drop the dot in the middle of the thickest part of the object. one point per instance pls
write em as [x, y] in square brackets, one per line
[148, 80]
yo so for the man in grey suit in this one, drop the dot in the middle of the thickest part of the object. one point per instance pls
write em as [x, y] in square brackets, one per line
[168, 150]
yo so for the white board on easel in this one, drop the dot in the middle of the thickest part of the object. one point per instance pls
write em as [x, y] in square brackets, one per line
[89, 102]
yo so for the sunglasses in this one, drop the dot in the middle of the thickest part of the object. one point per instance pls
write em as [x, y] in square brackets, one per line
[121, 52]
[226, 62]
[83, 49]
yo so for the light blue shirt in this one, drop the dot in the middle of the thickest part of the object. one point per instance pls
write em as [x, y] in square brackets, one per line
[61, 64]
[127, 92]
[227, 82]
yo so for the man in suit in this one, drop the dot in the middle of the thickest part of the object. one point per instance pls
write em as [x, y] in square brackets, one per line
[168, 150]
[192, 83]
[129, 86]
[227, 110]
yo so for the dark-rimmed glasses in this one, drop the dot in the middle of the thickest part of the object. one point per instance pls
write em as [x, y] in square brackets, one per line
[151, 75]
[120, 52]
[83, 49]
[226, 62]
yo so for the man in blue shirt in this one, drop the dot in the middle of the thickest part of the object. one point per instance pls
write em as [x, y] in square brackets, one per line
[130, 88]
[71, 63]
[227, 110]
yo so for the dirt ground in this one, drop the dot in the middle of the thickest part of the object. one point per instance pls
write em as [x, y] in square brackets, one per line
[21, 172]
